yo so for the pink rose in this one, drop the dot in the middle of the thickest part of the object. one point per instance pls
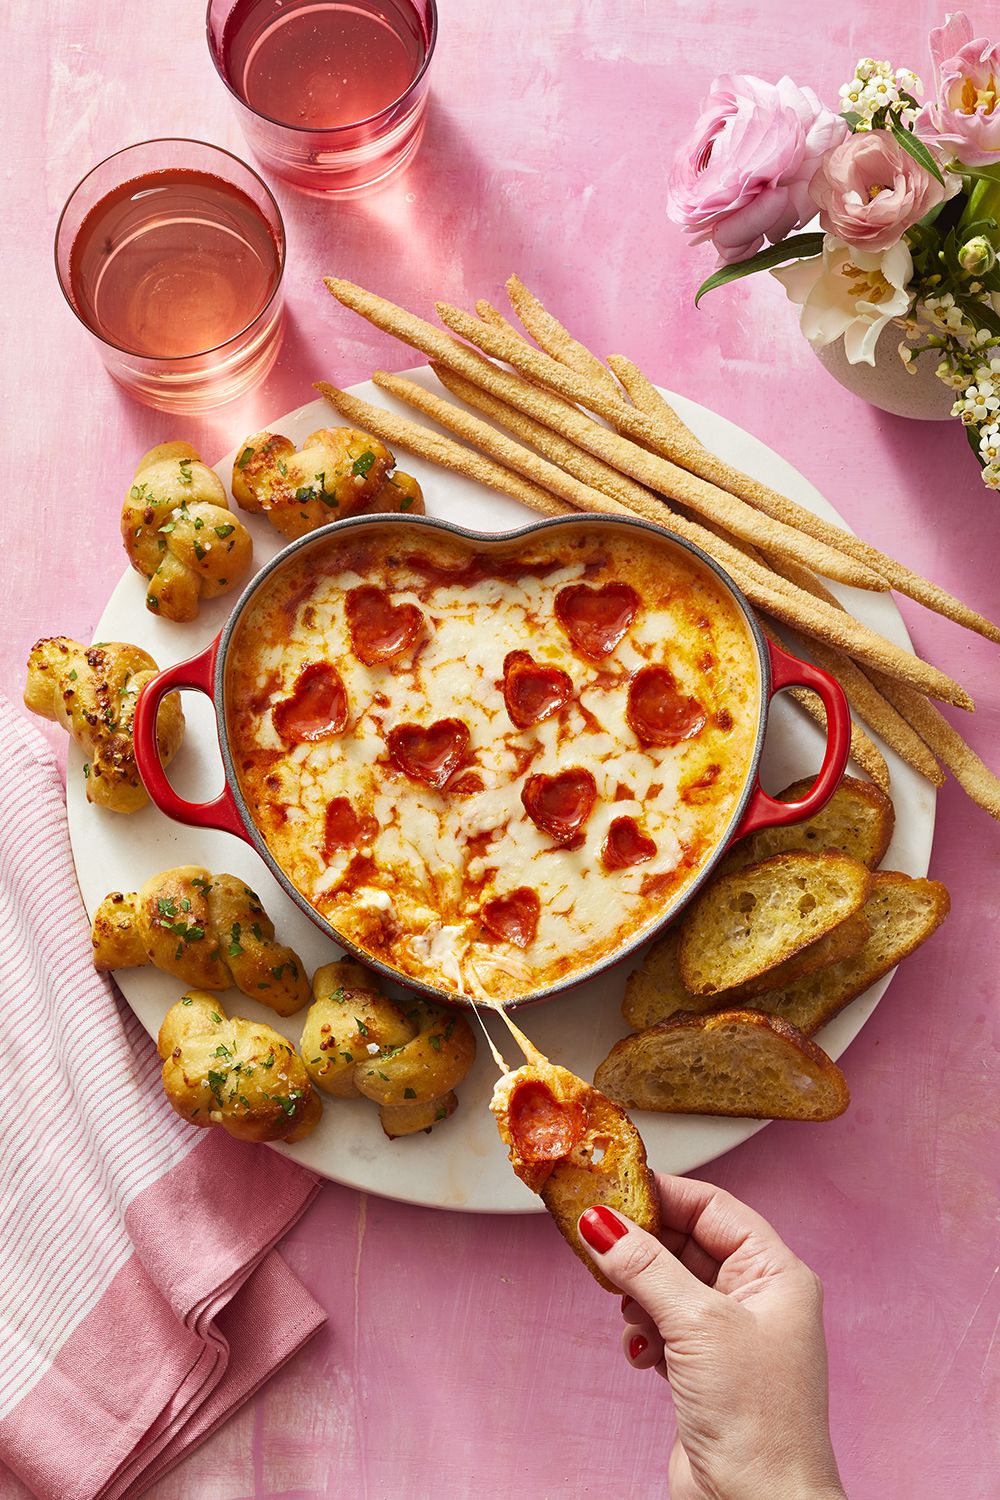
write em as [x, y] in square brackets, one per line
[869, 191]
[964, 119]
[744, 174]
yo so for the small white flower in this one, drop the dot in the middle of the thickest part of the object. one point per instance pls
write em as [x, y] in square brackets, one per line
[876, 84]
[980, 401]
[989, 443]
[991, 476]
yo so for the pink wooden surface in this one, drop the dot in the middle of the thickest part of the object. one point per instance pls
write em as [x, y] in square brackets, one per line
[470, 1356]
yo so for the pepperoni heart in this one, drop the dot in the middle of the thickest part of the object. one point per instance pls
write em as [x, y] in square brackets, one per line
[513, 918]
[596, 618]
[344, 829]
[542, 1127]
[658, 712]
[430, 754]
[626, 845]
[317, 707]
[560, 805]
[532, 691]
[380, 630]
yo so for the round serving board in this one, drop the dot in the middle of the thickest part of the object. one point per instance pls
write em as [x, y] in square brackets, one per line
[461, 1164]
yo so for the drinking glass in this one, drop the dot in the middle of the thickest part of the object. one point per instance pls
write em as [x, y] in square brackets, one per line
[171, 254]
[331, 94]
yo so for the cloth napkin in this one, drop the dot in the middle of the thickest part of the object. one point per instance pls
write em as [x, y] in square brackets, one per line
[141, 1298]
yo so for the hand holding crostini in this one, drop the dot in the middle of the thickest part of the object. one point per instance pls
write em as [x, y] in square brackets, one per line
[207, 930]
[337, 472]
[235, 1073]
[92, 691]
[179, 532]
[408, 1059]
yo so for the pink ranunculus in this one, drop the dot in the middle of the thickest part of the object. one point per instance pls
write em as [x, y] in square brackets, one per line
[964, 119]
[743, 176]
[869, 190]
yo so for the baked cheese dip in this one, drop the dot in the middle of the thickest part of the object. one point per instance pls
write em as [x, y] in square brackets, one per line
[492, 766]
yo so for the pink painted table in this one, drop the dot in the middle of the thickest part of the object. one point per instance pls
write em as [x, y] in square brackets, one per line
[472, 1356]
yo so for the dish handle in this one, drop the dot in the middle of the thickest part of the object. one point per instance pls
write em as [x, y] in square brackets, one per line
[788, 671]
[198, 674]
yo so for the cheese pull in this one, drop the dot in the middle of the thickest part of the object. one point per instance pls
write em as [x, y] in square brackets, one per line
[572, 1146]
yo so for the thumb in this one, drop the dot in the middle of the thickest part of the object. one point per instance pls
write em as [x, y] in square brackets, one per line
[643, 1268]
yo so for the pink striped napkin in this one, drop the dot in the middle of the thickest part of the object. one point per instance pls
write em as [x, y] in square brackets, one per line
[141, 1298]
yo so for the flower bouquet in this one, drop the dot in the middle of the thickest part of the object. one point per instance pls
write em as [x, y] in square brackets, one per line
[908, 201]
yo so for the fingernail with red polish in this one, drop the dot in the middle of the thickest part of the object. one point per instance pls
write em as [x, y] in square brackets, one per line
[601, 1228]
[637, 1346]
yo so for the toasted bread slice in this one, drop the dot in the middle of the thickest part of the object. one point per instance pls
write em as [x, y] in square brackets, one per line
[752, 919]
[858, 821]
[841, 942]
[655, 991]
[575, 1148]
[736, 1062]
[901, 913]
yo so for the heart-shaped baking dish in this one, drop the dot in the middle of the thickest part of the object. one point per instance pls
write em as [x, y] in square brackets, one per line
[598, 753]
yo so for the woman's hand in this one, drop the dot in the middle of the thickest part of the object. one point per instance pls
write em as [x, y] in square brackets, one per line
[724, 1310]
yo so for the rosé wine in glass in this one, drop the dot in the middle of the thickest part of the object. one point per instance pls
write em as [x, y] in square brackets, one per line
[331, 93]
[171, 254]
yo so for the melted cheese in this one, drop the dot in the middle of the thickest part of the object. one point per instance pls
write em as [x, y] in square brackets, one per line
[411, 892]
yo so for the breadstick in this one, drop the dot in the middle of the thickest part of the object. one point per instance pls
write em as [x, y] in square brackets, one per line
[864, 751]
[643, 394]
[583, 466]
[493, 315]
[786, 601]
[865, 699]
[522, 460]
[646, 467]
[972, 774]
[863, 696]
[649, 468]
[769, 593]
[877, 712]
[439, 450]
[550, 335]
[692, 456]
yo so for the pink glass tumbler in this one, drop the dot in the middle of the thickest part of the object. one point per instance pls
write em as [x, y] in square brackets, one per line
[171, 254]
[331, 94]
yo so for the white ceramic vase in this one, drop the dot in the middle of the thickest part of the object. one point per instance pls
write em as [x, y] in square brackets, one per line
[887, 384]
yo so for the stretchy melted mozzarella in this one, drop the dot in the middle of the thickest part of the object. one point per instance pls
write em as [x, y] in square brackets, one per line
[493, 767]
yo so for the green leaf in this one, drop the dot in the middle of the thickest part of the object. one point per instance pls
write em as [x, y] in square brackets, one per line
[852, 117]
[797, 247]
[980, 314]
[363, 464]
[972, 438]
[916, 148]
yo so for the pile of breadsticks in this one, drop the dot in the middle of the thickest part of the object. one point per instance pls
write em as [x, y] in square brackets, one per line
[642, 460]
